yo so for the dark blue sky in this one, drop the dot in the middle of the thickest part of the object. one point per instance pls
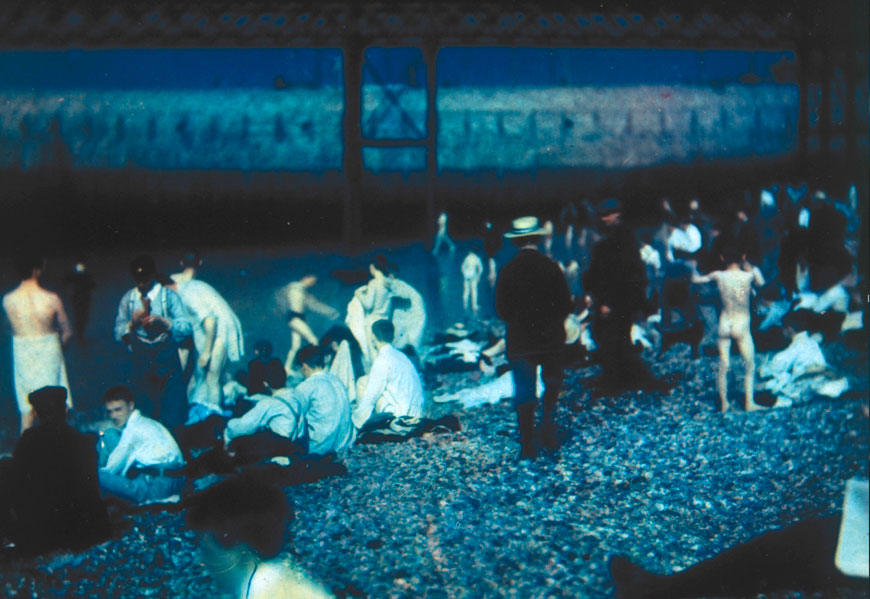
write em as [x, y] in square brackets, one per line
[259, 68]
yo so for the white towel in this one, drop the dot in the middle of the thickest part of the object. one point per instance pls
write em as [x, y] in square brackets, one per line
[38, 362]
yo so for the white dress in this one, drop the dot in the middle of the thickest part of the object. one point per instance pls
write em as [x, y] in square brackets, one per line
[202, 301]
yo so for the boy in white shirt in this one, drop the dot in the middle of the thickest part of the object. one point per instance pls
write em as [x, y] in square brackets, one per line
[392, 386]
[137, 467]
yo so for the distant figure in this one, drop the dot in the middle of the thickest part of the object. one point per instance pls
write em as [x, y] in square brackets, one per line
[299, 299]
[472, 270]
[242, 527]
[492, 243]
[39, 326]
[441, 236]
[393, 385]
[533, 299]
[50, 484]
[138, 454]
[217, 337]
[735, 287]
[265, 373]
[81, 284]
[152, 322]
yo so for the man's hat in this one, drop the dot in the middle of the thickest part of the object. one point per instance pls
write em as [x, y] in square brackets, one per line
[48, 400]
[608, 207]
[142, 268]
[525, 226]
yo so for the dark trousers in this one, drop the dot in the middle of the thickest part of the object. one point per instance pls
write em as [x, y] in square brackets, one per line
[619, 358]
[524, 373]
[156, 382]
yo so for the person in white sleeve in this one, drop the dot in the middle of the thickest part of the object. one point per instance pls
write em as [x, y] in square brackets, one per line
[393, 385]
[138, 456]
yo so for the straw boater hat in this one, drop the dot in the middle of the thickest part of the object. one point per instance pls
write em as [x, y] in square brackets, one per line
[525, 226]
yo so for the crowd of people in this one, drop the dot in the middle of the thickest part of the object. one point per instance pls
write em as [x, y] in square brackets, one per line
[778, 266]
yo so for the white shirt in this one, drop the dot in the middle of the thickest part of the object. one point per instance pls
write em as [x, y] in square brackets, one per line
[282, 414]
[393, 388]
[145, 442]
[327, 413]
[650, 256]
[686, 240]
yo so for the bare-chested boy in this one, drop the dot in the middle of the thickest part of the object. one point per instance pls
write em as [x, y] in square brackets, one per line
[735, 285]
[37, 318]
[299, 299]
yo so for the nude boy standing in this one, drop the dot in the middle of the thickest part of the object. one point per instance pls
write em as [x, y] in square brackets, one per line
[735, 285]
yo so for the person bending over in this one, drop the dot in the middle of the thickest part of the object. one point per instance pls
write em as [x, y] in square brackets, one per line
[139, 455]
[393, 385]
[299, 299]
[735, 286]
[217, 337]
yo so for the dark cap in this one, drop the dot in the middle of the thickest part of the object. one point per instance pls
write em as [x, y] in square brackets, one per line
[48, 400]
[609, 206]
[143, 268]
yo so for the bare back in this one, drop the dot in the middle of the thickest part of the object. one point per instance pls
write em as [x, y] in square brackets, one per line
[32, 312]
[735, 290]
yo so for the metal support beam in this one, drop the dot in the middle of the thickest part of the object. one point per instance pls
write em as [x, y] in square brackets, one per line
[825, 77]
[352, 160]
[803, 59]
[430, 58]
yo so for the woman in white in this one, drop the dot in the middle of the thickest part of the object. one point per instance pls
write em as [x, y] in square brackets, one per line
[217, 336]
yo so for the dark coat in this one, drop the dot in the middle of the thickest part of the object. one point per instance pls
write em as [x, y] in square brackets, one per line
[532, 297]
[55, 490]
[616, 276]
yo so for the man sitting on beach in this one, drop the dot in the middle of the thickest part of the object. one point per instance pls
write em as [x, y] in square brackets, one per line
[735, 285]
[50, 484]
[139, 454]
[325, 404]
[39, 326]
[393, 385]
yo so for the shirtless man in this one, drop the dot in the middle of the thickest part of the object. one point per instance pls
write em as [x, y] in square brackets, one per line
[37, 318]
[735, 283]
[299, 299]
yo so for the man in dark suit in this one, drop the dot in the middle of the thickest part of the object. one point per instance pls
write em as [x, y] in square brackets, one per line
[615, 284]
[533, 299]
[51, 498]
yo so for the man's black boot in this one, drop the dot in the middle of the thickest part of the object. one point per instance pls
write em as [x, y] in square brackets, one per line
[526, 426]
